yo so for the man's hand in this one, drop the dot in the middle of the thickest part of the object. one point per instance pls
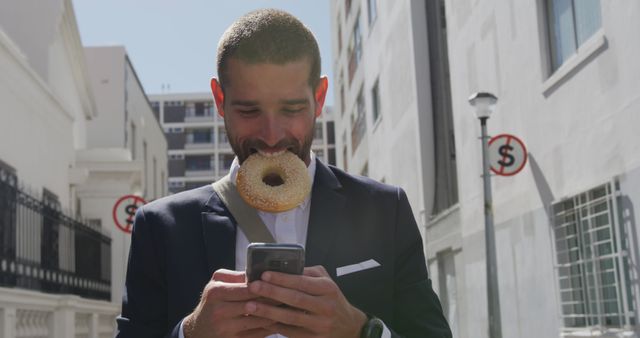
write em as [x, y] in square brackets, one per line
[317, 307]
[221, 311]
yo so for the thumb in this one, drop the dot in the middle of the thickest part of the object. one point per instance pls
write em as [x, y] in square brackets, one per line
[228, 276]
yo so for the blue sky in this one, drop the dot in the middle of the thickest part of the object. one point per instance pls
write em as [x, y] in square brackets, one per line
[174, 42]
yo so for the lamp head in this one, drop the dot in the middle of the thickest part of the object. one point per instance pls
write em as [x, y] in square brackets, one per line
[484, 103]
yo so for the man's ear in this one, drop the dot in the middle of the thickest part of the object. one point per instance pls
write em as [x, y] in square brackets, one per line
[320, 94]
[218, 95]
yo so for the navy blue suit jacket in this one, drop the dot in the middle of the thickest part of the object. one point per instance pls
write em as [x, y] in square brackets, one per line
[179, 241]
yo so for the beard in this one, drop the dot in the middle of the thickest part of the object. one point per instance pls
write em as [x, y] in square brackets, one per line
[248, 147]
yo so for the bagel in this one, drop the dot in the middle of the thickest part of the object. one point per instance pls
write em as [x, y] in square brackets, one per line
[288, 170]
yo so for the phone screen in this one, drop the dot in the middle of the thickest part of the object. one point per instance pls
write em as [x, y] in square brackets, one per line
[261, 257]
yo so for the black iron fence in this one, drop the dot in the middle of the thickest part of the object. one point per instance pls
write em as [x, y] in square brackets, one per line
[42, 248]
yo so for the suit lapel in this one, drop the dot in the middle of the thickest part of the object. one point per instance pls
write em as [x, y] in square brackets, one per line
[219, 235]
[327, 215]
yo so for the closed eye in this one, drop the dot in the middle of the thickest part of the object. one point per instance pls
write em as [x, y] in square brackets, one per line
[248, 111]
[292, 110]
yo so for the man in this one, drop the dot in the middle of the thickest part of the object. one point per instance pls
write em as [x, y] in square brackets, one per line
[185, 276]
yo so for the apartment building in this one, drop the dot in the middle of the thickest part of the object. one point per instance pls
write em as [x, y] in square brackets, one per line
[198, 149]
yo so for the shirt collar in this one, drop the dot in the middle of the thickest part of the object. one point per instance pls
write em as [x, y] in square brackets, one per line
[311, 170]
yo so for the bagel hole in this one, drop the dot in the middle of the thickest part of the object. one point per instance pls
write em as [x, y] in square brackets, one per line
[273, 179]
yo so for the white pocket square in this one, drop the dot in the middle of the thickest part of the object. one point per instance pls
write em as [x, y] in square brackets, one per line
[347, 269]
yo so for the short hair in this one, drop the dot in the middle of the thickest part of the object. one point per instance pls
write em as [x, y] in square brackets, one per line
[268, 36]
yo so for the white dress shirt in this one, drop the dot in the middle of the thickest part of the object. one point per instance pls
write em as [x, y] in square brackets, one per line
[286, 227]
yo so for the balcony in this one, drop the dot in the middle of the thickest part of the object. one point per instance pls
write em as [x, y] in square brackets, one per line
[199, 118]
[43, 249]
[199, 145]
[199, 173]
[199, 112]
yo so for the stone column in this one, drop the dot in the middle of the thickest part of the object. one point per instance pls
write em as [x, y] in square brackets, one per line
[7, 322]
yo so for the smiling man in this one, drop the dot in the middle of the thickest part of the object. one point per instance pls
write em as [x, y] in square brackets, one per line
[365, 274]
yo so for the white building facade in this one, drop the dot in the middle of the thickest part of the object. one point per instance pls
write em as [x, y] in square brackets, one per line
[384, 110]
[198, 148]
[567, 78]
[54, 266]
[126, 154]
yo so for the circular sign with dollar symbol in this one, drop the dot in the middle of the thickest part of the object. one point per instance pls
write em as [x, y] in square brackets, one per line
[507, 155]
[124, 210]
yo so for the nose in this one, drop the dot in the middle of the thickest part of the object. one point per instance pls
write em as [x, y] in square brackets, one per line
[273, 130]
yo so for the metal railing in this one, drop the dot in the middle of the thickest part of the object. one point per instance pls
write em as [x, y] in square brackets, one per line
[43, 249]
[592, 262]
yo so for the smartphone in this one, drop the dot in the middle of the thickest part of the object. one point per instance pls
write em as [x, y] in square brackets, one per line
[261, 257]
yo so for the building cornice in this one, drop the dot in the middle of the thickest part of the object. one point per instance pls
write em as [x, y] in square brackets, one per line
[20, 58]
[69, 31]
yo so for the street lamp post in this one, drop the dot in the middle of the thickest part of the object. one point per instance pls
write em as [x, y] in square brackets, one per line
[484, 103]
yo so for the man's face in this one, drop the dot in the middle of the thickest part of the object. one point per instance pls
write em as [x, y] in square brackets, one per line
[269, 107]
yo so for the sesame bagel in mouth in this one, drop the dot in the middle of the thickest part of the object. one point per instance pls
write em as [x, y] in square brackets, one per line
[273, 182]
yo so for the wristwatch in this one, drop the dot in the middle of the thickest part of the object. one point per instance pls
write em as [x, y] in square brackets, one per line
[372, 328]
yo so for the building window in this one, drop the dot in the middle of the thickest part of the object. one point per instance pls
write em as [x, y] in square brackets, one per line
[355, 49]
[190, 109]
[332, 156]
[196, 184]
[176, 184]
[373, 11]
[225, 162]
[209, 109]
[331, 137]
[446, 187]
[571, 23]
[199, 162]
[162, 182]
[133, 141]
[222, 137]
[317, 131]
[375, 101]
[344, 151]
[339, 35]
[342, 103]
[592, 259]
[358, 123]
[200, 136]
[146, 171]
[155, 177]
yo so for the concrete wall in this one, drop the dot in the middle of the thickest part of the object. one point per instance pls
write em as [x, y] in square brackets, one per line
[115, 158]
[33, 24]
[37, 129]
[122, 103]
[397, 148]
[579, 125]
[47, 97]
[149, 132]
[47, 100]
[107, 73]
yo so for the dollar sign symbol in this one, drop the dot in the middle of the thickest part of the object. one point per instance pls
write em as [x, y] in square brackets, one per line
[131, 211]
[504, 151]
